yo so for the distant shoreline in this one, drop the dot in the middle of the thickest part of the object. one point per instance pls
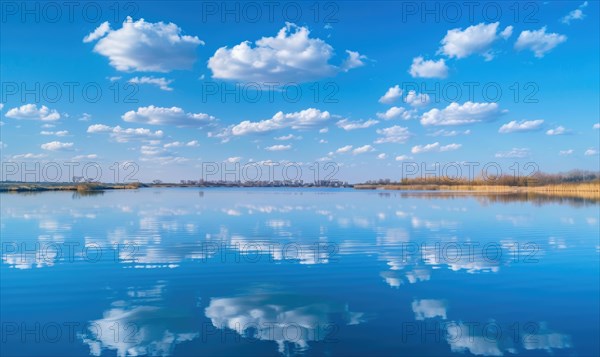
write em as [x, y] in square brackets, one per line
[590, 190]
[83, 187]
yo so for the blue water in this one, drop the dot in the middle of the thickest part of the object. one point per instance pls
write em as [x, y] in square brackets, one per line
[271, 272]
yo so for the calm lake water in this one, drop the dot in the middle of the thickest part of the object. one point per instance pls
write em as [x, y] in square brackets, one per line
[271, 272]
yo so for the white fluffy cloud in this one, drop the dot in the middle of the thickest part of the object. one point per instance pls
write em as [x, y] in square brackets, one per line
[344, 149]
[57, 133]
[123, 135]
[393, 134]
[56, 146]
[559, 130]
[145, 47]
[566, 152]
[177, 144]
[99, 32]
[167, 116]
[538, 41]
[476, 39]
[521, 126]
[395, 112]
[392, 94]
[32, 112]
[161, 82]
[278, 147]
[288, 137]
[591, 152]
[514, 153]
[28, 156]
[576, 14]
[435, 147]
[382, 156]
[354, 60]
[233, 159]
[290, 56]
[353, 125]
[305, 119]
[363, 149]
[456, 114]
[444, 132]
[416, 100]
[89, 156]
[422, 68]
[403, 157]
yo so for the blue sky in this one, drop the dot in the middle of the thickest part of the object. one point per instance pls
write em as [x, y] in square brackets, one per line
[367, 85]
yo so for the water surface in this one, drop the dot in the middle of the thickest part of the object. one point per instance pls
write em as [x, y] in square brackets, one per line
[271, 272]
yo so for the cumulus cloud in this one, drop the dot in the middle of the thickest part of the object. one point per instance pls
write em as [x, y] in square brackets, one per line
[392, 94]
[354, 60]
[233, 159]
[305, 119]
[178, 144]
[99, 32]
[514, 153]
[123, 135]
[291, 56]
[559, 130]
[56, 146]
[288, 137]
[167, 116]
[363, 149]
[57, 133]
[89, 156]
[435, 147]
[422, 68]
[538, 41]
[576, 14]
[596, 126]
[416, 100]
[32, 112]
[521, 126]
[145, 46]
[278, 148]
[395, 112]
[476, 39]
[344, 149]
[394, 134]
[353, 125]
[28, 156]
[161, 82]
[566, 152]
[403, 157]
[456, 114]
[382, 156]
[444, 132]
[591, 152]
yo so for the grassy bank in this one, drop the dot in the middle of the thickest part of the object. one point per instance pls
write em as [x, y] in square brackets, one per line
[81, 187]
[589, 190]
